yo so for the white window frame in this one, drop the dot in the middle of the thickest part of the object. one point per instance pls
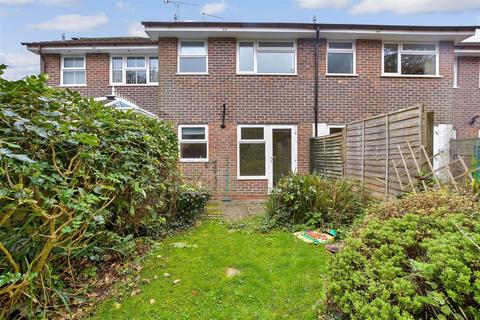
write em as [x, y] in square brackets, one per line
[353, 50]
[327, 127]
[412, 52]
[124, 69]
[63, 68]
[179, 55]
[149, 81]
[268, 141]
[256, 49]
[202, 141]
[252, 141]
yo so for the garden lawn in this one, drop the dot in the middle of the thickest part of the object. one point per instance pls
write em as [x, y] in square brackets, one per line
[280, 277]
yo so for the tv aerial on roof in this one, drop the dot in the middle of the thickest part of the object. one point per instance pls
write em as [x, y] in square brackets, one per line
[210, 15]
[176, 16]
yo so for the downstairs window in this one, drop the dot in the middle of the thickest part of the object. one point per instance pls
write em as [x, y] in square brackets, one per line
[251, 152]
[193, 141]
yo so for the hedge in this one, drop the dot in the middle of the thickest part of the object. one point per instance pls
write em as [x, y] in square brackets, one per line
[79, 181]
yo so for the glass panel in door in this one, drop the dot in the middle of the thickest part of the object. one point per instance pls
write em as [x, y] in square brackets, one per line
[282, 153]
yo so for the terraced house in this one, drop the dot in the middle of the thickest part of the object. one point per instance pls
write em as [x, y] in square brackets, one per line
[245, 97]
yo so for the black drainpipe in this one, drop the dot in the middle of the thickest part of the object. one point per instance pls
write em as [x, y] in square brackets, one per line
[317, 39]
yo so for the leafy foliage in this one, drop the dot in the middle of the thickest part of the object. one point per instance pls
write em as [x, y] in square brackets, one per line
[313, 201]
[414, 258]
[79, 181]
[190, 204]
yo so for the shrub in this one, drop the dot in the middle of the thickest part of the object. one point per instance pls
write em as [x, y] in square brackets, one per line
[313, 201]
[78, 180]
[423, 261]
[190, 204]
[427, 203]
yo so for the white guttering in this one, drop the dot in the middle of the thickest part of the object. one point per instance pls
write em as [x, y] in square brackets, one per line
[395, 35]
[93, 49]
[467, 52]
[229, 29]
[254, 33]
[234, 32]
[398, 32]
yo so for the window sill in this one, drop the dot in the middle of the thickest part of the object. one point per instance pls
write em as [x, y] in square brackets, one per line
[341, 75]
[192, 73]
[133, 85]
[193, 160]
[409, 76]
[252, 178]
[267, 74]
[72, 85]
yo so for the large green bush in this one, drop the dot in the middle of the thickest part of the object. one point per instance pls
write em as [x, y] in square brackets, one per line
[189, 205]
[78, 181]
[415, 258]
[309, 200]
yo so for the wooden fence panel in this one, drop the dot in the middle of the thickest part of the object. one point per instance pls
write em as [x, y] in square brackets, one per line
[326, 155]
[468, 149]
[373, 151]
[374, 145]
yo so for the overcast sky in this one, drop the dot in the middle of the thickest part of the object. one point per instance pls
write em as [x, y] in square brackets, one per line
[36, 20]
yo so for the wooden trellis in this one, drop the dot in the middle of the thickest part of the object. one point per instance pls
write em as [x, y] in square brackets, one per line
[412, 178]
[390, 154]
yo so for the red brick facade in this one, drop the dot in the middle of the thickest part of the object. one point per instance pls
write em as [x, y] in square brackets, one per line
[467, 98]
[287, 99]
[98, 80]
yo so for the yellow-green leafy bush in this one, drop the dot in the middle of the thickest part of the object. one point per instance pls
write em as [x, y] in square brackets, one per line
[415, 258]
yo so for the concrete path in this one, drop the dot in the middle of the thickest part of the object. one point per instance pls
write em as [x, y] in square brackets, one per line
[234, 209]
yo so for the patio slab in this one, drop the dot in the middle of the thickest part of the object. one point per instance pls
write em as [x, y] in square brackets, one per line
[234, 209]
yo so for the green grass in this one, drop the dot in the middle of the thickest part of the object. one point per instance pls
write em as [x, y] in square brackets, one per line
[280, 277]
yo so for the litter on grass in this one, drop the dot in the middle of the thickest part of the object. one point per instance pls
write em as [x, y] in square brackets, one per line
[183, 245]
[315, 237]
[231, 272]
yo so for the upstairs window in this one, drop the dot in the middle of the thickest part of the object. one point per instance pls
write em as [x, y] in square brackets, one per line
[134, 70]
[117, 70]
[413, 59]
[192, 57]
[153, 69]
[341, 57]
[193, 140]
[266, 57]
[73, 71]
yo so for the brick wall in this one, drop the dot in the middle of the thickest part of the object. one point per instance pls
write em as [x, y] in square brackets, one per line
[98, 78]
[467, 97]
[262, 99]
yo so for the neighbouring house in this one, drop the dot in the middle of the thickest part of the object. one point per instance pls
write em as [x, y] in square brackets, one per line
[242, 95]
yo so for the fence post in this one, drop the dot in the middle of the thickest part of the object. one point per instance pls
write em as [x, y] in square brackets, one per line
[311, 169]
[387, 155]
[344, 151]
[324, 158]
[426, 137]
[363, 157]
